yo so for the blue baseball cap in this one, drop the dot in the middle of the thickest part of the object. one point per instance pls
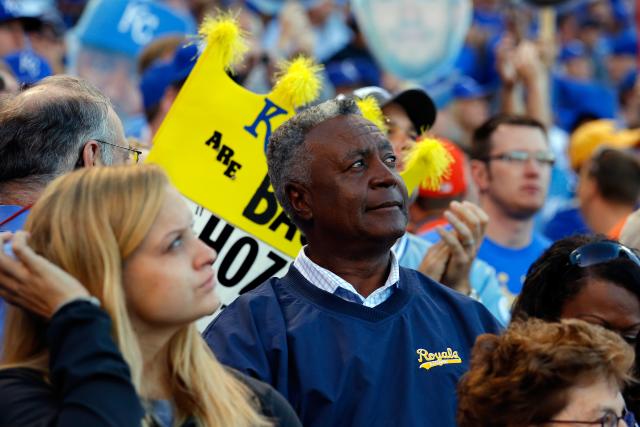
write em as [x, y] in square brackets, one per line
[159, 76]
[28, 67]
[467, 88]
[575, 99]
[572, 50]
[126, 26]
[353, 72]
[10, 10]
[625, 43]
[273, 7]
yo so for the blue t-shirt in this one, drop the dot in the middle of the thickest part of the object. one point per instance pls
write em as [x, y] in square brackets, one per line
[343, 364]
[511, 265]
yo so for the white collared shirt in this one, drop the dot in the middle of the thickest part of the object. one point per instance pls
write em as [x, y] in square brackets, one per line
[334, 284]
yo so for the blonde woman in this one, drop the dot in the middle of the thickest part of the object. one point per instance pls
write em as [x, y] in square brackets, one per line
[125, 234]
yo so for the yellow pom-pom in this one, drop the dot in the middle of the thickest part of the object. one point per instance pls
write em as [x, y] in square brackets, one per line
[298, 82]
[371, 111]
[225, 39]
[427, 163]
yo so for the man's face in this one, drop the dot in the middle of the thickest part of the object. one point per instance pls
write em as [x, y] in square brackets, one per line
[355, 193]
[11, 37]
[402, 133]
[115, 76]
[517, 188]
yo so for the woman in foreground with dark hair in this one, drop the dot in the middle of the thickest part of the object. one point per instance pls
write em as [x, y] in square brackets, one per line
[590, 278]
[585, 277]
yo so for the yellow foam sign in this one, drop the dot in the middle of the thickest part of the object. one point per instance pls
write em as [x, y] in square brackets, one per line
[212, 144]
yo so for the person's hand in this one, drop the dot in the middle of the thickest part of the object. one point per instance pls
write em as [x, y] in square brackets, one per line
[505, 61]
[32, 282]
[528, 62]
[435, 261]
[469, 224]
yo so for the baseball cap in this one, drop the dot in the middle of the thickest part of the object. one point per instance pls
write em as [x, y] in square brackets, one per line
[416, 103]
[158, 77]
[587, 138]
[625, 43]
[572, 50]
[575, 99]
[353, 72]
[10, 10]
[126, 26]
[27, 66]
[455, 183]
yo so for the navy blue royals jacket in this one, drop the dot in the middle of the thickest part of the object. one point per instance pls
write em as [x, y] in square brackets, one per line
[343, 364]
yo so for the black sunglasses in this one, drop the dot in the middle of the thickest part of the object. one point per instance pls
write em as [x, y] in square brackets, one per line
[599, 252]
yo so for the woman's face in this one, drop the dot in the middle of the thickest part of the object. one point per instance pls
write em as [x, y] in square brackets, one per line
[589, 402]
[168, 280]
[606, 304]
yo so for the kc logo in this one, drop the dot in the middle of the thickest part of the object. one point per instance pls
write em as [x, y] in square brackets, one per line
[138, 20]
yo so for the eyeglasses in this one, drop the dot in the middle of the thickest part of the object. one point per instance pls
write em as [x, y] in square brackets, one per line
[609, 419]
[134, 155]
[545, 158]
[599, 252]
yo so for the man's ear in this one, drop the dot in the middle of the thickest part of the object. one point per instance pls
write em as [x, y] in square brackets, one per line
[480, 174]
[299, 199]
[91, 154]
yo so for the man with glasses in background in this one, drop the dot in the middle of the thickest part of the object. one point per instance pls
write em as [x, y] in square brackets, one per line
[511, 167]
[57, 125]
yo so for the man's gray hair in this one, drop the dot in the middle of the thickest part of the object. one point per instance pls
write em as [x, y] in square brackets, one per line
[287, 154]
[43, 129]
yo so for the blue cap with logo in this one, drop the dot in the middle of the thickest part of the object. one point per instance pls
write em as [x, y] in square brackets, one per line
[353, 72]
[28, 67]
[572, 50]
[126, 26]
[159, 76]
[10, 10]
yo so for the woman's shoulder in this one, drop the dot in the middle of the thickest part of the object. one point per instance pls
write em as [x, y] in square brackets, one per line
[17, 381]
[27, 398]
[272, 403]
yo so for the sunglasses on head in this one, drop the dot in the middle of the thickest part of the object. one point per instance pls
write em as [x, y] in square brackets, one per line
[599, 252]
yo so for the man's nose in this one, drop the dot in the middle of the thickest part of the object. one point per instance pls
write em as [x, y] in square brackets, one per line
[532, 166]
[383, 175]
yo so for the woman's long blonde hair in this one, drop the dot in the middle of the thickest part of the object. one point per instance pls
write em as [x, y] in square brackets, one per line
[88, 223]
